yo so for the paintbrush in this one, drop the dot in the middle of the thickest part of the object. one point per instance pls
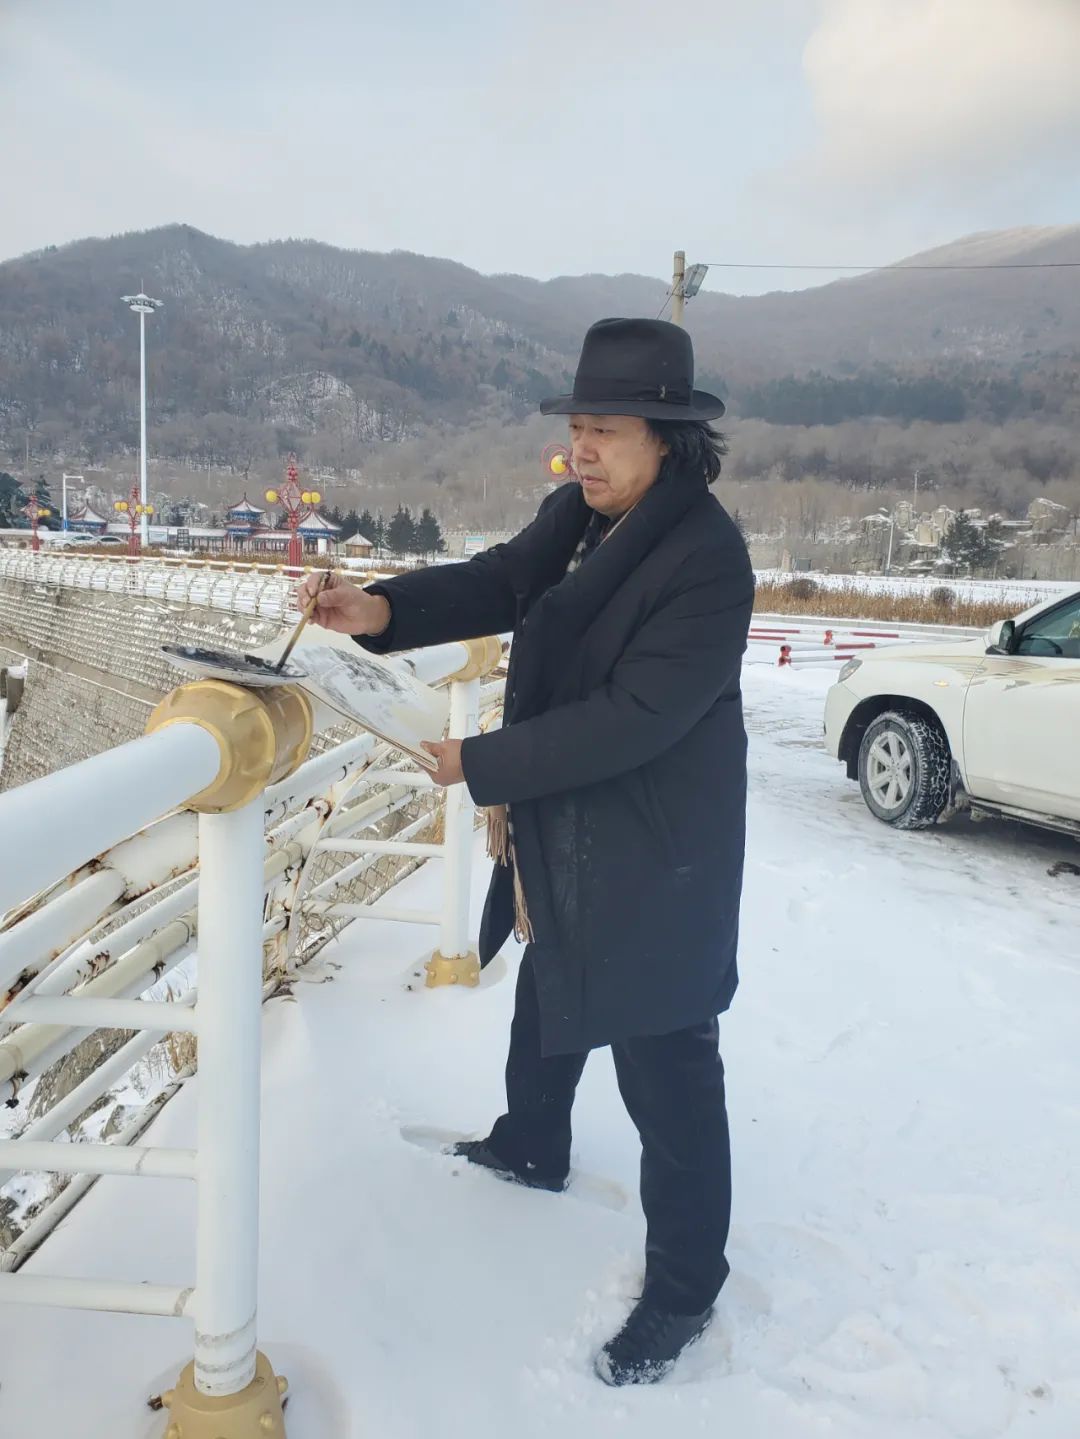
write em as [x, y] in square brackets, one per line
[323, 582]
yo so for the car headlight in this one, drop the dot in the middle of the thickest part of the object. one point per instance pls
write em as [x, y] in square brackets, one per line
[849, 669]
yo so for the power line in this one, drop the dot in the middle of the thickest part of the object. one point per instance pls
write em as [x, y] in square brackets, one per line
[1007, 265]
[667, 302]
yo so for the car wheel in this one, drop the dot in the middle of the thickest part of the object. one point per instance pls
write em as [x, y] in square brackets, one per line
[905, 770]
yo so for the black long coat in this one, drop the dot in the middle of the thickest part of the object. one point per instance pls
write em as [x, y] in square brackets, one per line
[622, 753]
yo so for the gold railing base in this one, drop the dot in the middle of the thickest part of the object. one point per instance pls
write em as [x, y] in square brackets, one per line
[254, 1413]
[464, 969]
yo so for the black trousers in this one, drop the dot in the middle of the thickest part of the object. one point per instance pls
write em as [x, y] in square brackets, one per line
[673, 1089]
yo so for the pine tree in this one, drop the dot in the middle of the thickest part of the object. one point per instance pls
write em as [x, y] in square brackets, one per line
[368, 528]
[429, 540]
[401, 533]
[349, 526]
[45, 500]
[964, 543]
[12, 500]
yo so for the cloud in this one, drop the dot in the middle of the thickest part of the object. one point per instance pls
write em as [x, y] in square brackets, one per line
[911, 94]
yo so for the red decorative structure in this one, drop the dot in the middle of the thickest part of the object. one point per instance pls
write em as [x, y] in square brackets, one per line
[298, 505]
[134, 511]
[34, 512]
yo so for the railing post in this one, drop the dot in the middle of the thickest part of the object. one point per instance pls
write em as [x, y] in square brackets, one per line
[230, 1027]
[229, 1390]
[456, 961]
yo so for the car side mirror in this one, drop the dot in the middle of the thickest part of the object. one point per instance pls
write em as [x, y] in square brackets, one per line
[1002, 638]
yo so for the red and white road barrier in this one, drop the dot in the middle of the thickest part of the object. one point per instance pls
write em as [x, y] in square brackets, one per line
[821, 635]
[798, 658]
[798, 655]
[867, 634]
[818, 644]
[828, 640]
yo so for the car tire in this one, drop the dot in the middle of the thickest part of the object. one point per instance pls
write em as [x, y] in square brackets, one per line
[905, 770]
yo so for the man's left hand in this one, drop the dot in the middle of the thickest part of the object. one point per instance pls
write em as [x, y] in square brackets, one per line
[448, 753]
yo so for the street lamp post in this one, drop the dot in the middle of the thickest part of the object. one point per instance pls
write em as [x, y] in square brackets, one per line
[298, 504]
[891, 517]
[34, 512]
[136, 513]
[142, 305]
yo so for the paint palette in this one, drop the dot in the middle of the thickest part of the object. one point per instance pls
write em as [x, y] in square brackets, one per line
[240, 669]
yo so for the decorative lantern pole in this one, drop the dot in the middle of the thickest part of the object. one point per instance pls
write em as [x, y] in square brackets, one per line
[298, 505]
[136, 513]
[556, 460]
[34, 512]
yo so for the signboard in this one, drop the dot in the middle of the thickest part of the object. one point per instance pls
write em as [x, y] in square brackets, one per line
[474, 544]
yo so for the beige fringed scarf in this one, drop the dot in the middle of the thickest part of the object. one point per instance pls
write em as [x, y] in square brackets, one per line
[500, 830]
[500, 848]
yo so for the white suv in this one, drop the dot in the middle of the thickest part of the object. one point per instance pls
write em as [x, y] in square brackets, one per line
[990, 724]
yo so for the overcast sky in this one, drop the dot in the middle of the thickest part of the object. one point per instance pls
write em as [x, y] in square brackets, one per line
[544, 136]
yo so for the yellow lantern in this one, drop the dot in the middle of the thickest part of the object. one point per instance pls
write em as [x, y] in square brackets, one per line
[315, 497]
[149, 509]
[272, 497]
[122, 506]
[305, 498]
[44, 514]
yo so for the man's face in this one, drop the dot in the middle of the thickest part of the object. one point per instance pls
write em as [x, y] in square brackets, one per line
[617, 458]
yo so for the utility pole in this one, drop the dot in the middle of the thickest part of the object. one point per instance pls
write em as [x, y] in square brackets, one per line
[678, 293]
[685, 283]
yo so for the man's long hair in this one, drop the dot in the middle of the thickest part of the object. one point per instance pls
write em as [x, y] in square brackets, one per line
[694, 447]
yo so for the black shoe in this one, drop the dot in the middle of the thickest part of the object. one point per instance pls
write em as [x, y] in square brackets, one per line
[478, 1151]
[648, 1344]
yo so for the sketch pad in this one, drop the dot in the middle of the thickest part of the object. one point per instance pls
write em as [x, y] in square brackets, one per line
[385, 700]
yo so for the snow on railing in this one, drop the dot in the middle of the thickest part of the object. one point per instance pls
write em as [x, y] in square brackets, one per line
[213, 856]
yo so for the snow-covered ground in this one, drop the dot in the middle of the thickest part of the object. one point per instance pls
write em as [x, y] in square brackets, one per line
[903, 1073]
[1014, 594]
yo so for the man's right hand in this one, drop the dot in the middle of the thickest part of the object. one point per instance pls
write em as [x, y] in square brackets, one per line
[342, 606]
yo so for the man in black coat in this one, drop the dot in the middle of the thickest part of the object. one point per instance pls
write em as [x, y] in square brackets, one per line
[617, 790]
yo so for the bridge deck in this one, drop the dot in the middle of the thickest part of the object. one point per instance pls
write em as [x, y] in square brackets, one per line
[902, 1062]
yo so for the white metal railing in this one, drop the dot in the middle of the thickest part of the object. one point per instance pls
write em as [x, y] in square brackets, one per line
[265, 591]
[111, 887]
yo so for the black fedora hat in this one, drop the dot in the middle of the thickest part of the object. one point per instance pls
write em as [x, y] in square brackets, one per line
[636, 367]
